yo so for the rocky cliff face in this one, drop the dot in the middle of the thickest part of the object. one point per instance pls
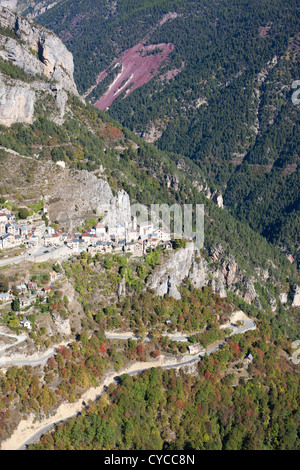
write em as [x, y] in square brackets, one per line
[296, 300]
[11, 4]
[16, 102]
[222, 273]
[47, 67]
[32, 8]
[168, 277]
[116, 209]
[81, 193]
[71, 196]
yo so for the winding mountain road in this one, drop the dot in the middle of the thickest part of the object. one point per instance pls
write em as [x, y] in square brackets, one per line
[19, 339]
[30, 431]
[35, 361]
[112, 378]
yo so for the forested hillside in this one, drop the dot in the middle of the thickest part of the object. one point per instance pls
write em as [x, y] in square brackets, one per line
[222, 97]
[212, 410]
[88, 316]
[90, 139]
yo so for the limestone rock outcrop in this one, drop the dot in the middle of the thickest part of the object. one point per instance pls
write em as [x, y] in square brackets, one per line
[283, 298]
[115, 209]
[16, 102]
[80, 193]
[11, 4]
[46, 64]
[33, 8]
[216, 197]
[62, 325]
[168, 277]
[296, 300]
[187, 263]
[122, 290]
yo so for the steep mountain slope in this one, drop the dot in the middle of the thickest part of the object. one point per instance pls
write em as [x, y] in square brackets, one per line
[77, 163]
[35, 68]
[89, 141]
[222, 93]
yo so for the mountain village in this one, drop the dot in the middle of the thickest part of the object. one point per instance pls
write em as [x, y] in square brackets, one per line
[136, 239]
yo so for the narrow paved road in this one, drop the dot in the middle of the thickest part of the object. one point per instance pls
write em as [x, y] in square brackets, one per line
[6, 361]
[41, 254]
[125, 336]
[249, 325]
[19, 339]
[26, 362]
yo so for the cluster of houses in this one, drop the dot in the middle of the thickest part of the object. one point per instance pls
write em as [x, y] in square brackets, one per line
[15, 234]
[28, 292]
[137, 239]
